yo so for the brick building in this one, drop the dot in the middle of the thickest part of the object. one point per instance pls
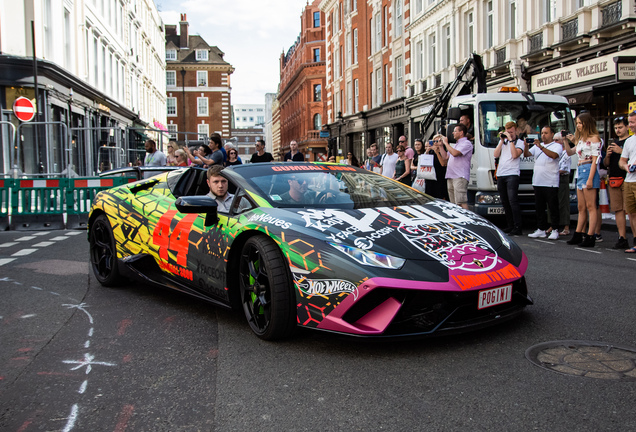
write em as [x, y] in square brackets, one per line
[301, 94]
[368, 62]
[197, 85]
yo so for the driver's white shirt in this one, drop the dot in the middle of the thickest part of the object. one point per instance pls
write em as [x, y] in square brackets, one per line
[222, 205]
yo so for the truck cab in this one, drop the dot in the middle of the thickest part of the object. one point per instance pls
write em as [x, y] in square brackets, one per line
[489, 112]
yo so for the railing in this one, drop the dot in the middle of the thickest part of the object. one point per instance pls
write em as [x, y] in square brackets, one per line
[536, 42]
[569, 30]
[612, 13]
[500, 56]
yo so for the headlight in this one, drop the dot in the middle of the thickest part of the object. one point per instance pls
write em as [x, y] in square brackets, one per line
[370, 258]
[481, 198]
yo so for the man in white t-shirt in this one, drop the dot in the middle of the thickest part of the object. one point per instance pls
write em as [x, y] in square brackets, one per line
[509, 151]
[388, 161]
[545, 181]
[628, 163]
[154, 158]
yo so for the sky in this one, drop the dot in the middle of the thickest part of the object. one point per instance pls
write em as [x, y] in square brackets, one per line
[251, 33]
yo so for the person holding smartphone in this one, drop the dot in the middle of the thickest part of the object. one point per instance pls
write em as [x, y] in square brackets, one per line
[611, 157]
[509, 151]
[545, 181]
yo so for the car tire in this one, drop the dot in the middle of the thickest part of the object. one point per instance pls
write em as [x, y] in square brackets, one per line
[103, 252]
[266, 289]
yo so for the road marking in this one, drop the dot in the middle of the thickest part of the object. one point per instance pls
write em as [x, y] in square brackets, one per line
[544, 241]
[72, 233]
[8, 244]
[632, 259]
[71, 419]
[82, 388]
[26, 238]
[588, 250]
[41, 233]
[28, 316]
[44, 244]
[4, 261]
[24, 252]
[59, 238]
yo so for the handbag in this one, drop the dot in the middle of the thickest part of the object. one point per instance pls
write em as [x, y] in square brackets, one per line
[425, 168]
[616, 182]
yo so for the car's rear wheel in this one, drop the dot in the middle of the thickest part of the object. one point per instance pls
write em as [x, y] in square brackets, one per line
[103, 252]
[266, 289]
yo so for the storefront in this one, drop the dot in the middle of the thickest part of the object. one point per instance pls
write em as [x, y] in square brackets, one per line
[604, 86]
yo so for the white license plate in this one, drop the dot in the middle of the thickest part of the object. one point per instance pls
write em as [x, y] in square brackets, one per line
[496, 210]
[495, 296]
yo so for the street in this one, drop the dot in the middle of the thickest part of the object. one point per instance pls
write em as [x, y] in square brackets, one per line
[79, 356]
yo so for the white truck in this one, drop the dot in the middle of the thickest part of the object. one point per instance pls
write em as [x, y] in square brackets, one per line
[489, 112]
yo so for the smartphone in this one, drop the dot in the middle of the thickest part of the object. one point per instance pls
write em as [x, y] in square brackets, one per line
[430, 142]
[530, 140]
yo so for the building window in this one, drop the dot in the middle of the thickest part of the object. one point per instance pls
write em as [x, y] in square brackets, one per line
[432, 53]
[512, 15]
[418, 6]
[204, 132]
[378, 84]
[171, 54]
[172, 129]
[470, 33]
[399, 77]
[490, 24]
[202, 78]
[549, 10]
[355, 46]
[419, 60]
[354, 5]
[202, 55]
[171, 106]
[348, 50]
[202, 106]
[447, 45]
[316, 19]
[316, 54]
[385, 21]
[171, 78]
[317, 122]
[398, 18]
[356, 92]
[349, 97]
[378, 32]
[317, 92]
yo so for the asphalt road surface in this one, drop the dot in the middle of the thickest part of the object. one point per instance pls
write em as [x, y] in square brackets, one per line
[78, 356]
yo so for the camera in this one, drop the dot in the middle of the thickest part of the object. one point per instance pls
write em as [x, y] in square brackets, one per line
[564, 133]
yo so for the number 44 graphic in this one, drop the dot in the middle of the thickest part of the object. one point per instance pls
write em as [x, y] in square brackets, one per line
[176, 240]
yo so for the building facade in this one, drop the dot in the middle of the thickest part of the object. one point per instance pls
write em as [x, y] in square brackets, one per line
[100, 83]
[248, 115]
[302, 93]
[389, 60]
[198, 86]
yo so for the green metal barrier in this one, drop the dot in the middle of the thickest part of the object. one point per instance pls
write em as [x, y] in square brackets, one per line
[80, 194]
[5, 188]
[37, 204]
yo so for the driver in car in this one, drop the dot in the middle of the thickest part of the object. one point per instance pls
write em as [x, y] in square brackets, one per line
[298, 193]
[218, 188]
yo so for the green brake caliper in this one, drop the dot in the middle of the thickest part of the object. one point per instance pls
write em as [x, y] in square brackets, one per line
[253, 294]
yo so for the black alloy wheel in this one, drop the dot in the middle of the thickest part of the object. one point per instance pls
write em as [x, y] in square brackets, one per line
[103, 252]
[266, 289]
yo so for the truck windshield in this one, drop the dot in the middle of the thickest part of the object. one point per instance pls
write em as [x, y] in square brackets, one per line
[493, 115]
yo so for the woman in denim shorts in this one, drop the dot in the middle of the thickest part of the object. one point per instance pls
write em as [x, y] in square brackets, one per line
[588, 150]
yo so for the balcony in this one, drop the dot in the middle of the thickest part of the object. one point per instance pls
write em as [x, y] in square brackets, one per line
[500, 56]
[612, 13]
[569, 30]
[536, 43]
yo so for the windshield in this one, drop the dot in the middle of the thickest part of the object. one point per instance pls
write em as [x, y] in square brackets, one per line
[493, 115]
[352, 189]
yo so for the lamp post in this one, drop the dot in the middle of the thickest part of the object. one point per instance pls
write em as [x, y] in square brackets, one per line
[339, 118]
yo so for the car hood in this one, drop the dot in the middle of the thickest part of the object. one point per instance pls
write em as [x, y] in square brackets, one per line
[436, 231]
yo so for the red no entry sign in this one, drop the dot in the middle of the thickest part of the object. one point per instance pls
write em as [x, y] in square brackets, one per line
[23, 109]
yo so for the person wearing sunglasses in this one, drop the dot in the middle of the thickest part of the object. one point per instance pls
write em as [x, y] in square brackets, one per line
[181, 158]
[171, 159]
[232, 158]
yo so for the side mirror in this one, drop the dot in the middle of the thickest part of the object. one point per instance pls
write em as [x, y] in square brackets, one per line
[454, 113]
[198, 205]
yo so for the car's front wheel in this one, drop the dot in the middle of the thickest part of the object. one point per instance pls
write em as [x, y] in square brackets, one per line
[266, 289]
[103, 252]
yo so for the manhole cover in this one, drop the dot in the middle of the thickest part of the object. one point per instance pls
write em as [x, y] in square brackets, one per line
[587, 359]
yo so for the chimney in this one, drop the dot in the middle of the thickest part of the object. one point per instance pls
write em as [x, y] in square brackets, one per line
[183, 26]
